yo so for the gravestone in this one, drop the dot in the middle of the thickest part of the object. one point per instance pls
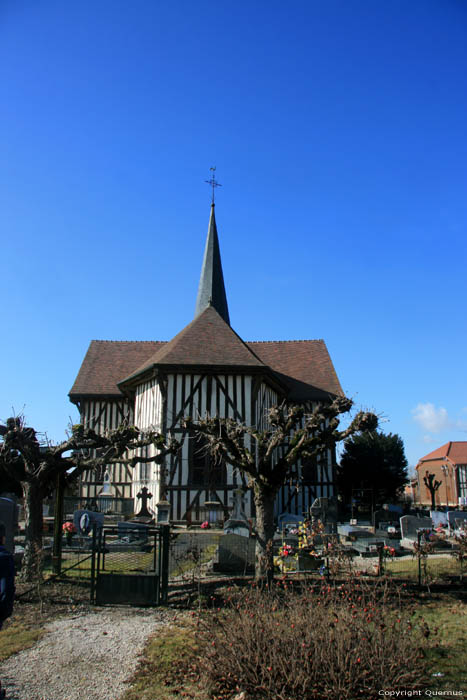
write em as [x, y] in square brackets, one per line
[438, 518]
[289, 520]
[235, 553]
[237, 523]
[454, 516]
[84, 520]
[144, 496]
[410, 524]
[9, 517]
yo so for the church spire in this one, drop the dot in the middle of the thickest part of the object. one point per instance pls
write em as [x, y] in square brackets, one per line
[211, 290]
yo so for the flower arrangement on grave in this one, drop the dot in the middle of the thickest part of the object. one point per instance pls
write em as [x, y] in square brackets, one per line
[389, 552]
[286, 550]
[286, 559]
[306, 537]
[205, 525]
[68, 529]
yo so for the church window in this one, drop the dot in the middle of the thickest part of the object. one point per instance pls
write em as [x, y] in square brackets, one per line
[310, 471]
[205, 470]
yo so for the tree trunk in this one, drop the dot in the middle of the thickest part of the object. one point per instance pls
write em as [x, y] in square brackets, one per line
[31, 567]
[264, 504]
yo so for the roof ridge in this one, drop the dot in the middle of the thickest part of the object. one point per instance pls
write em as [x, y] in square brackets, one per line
[306, 340]
[129, 341]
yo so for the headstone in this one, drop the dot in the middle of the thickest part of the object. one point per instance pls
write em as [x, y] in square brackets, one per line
[235, 553]
[438, 518]
[144, 495]
[237, 523]
[454, 515]
[410, 525]
[289, 520]
[84, 520]
[9, 517]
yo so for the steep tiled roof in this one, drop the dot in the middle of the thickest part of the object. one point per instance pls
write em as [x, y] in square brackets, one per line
[456, 452]
[303, 365]
[107, 362]
[207, 340]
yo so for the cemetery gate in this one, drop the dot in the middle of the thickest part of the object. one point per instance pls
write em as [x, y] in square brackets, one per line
[130, 565]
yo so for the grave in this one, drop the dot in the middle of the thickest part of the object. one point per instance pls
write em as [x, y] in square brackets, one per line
[235, 553]
[410, 525]
[132, 532]
[438, 518]
[454, 516]
[237, 524]
[9, 516]
[84, 520]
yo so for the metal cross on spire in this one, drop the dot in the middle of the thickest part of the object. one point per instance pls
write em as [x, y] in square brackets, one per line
[213, 182]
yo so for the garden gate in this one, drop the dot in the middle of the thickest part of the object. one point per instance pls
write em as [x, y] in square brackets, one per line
[130, 565]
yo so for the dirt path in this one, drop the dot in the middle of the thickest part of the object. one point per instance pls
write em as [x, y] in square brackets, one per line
[88, 656]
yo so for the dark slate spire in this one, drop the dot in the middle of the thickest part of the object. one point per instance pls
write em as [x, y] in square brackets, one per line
[211, 290]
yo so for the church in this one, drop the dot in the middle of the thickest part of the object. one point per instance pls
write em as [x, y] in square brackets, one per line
[206, 369]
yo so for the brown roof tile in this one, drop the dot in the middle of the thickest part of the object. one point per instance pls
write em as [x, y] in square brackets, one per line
[207, 340]
[107, 362]
[455, 451]
[304, 365]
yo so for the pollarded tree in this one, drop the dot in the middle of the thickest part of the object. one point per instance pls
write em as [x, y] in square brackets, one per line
[432, 485]
[373, 461]
[269, 458]
[35, 467]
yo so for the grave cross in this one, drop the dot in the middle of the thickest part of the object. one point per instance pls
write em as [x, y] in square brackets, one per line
[144, 495]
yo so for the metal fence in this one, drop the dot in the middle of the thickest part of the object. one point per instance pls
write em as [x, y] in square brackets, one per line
[129, 568]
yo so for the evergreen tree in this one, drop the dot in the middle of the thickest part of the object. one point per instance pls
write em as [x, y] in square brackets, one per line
[373, 461]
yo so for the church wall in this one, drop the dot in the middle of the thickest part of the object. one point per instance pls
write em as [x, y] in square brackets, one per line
[100, 416]
[197, 395]
[148, 416]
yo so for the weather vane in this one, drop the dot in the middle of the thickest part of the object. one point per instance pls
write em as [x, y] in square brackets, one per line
[213, 182]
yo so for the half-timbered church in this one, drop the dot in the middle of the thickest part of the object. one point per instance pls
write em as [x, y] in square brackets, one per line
[206, 369]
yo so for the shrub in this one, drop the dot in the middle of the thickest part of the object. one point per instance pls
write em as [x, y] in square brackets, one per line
[336, 642]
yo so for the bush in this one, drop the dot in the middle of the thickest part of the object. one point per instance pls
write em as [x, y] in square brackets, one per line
[336, 642]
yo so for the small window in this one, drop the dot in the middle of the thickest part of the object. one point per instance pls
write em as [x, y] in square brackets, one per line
[310, 471]
[205, 471]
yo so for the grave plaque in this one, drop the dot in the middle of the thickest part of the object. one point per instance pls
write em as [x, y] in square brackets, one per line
[84, 520]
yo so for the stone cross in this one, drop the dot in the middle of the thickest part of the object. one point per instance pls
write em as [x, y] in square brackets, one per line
[144, 495]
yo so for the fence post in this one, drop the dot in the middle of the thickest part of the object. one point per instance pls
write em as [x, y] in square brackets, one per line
[380, 548]
[58, 521]
[419, 556]
[93, 562]
[164, 573]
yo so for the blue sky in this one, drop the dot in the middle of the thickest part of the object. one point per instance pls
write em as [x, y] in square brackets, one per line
[338, 132]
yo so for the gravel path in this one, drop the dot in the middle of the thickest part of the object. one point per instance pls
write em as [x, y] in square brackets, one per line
[85, 657]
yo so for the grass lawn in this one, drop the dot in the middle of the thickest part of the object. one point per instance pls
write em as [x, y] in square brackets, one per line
[437, 568]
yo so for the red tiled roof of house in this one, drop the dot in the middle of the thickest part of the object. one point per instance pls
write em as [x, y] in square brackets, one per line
[456, 452]
[302, 366]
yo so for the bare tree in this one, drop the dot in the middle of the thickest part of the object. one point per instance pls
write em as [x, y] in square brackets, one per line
[35, 467]
[269, 458]
[432, 485]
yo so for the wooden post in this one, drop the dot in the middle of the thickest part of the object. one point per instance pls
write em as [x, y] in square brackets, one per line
[58, 522]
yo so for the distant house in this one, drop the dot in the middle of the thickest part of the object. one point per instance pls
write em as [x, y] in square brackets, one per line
[449, 465]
